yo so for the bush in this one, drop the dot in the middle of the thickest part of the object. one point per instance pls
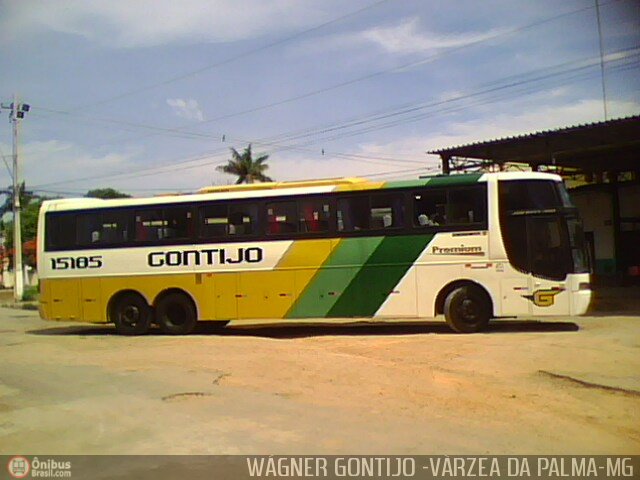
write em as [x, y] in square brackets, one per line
[30, 294]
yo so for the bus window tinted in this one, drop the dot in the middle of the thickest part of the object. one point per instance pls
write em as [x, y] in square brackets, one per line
[214, 221]
[525, 195]
[353, 214]
[115, 227]
[429, 208]
[549, 250]
[88, 228]
[162, 224]
[386, 211]
[282, 218]
[467, 205]
[61, 231]
[457, 206]
[314, 216]
[102, 228]
[243, 219]
[227, 220]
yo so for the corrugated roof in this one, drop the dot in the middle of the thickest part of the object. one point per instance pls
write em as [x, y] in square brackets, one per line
[541, 133]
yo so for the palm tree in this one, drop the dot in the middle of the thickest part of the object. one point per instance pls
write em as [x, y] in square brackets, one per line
[25, 198]
[245, 167]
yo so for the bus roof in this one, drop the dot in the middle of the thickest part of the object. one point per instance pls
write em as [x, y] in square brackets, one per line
[276, 189]
[289, 184]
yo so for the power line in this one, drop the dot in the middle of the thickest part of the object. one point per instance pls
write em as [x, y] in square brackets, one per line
[427, 59]
[230, 60]
[587, 63]
[413, 107]
[208, 156]
[422, 116]
[352, 81]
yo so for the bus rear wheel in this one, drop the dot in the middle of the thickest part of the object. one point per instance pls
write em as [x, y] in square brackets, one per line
[176, 314]
[467, 309]
[131, 315]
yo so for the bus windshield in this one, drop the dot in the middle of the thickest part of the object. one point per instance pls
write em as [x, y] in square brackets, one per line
[541, 230]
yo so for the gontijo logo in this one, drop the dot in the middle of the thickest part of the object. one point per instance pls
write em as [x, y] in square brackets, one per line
[18, 467]
[544, 298]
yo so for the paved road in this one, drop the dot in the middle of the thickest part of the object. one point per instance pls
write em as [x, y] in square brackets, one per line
[523, 387]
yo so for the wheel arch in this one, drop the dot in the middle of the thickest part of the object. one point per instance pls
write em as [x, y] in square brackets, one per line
[118, 295]
[168, 291]
[451, 286]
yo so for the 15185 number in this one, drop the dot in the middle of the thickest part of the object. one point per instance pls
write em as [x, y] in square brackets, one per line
[78, 263]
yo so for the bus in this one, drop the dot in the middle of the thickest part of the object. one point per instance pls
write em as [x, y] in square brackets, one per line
[471, 247]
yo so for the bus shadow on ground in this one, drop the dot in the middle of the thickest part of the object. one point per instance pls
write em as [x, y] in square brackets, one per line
[298, 330]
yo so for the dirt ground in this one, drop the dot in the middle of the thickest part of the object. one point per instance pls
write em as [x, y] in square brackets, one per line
[561, 386]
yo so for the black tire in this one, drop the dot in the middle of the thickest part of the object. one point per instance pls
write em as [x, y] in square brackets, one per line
[176, 314]
[131, 315]
[467, 309]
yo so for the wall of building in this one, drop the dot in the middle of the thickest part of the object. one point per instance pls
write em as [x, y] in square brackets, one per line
[597, 217]
[595, 205]
[629, 200]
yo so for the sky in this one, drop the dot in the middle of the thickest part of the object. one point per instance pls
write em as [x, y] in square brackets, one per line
[148, 96]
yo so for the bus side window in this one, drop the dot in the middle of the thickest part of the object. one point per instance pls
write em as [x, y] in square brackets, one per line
[282, 218]
[314, 216]
[88, 231]
[214, 221]
[61, 231]
[149, 225]
[161, 224]
[243, 219]
[177, 221]
[353, 213]
[114, 228]
[429, 208]
[467, 205]
[386, 211]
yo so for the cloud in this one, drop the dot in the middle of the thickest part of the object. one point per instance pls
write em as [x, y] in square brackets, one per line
[44, 162]
[546, 117]
[145, 23]
[407, 38]
[54, 160]
[414, 147]
[186, 108]
[404, 38]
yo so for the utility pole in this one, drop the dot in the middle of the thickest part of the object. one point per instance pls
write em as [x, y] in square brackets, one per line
[16, 113]
[604, 91]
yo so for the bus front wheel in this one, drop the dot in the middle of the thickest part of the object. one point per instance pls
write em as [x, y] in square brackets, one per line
[176, 314]
[131, 315]
[467, 309]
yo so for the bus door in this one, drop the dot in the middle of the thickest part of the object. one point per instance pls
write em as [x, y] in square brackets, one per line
[539, 253]
[550, 261]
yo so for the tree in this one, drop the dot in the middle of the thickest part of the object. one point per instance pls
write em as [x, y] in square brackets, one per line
[25, 198]
[30, 208]
[245, 167]
[106, 193]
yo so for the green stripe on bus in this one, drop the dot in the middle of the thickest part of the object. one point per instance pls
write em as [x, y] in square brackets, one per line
[454, 180]
[405, 184]
[436, 181]
[380, 274]
[333, 277]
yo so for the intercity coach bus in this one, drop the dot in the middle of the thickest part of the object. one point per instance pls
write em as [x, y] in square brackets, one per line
[469, 246]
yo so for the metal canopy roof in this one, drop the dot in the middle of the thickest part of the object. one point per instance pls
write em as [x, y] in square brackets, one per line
[612, 145]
